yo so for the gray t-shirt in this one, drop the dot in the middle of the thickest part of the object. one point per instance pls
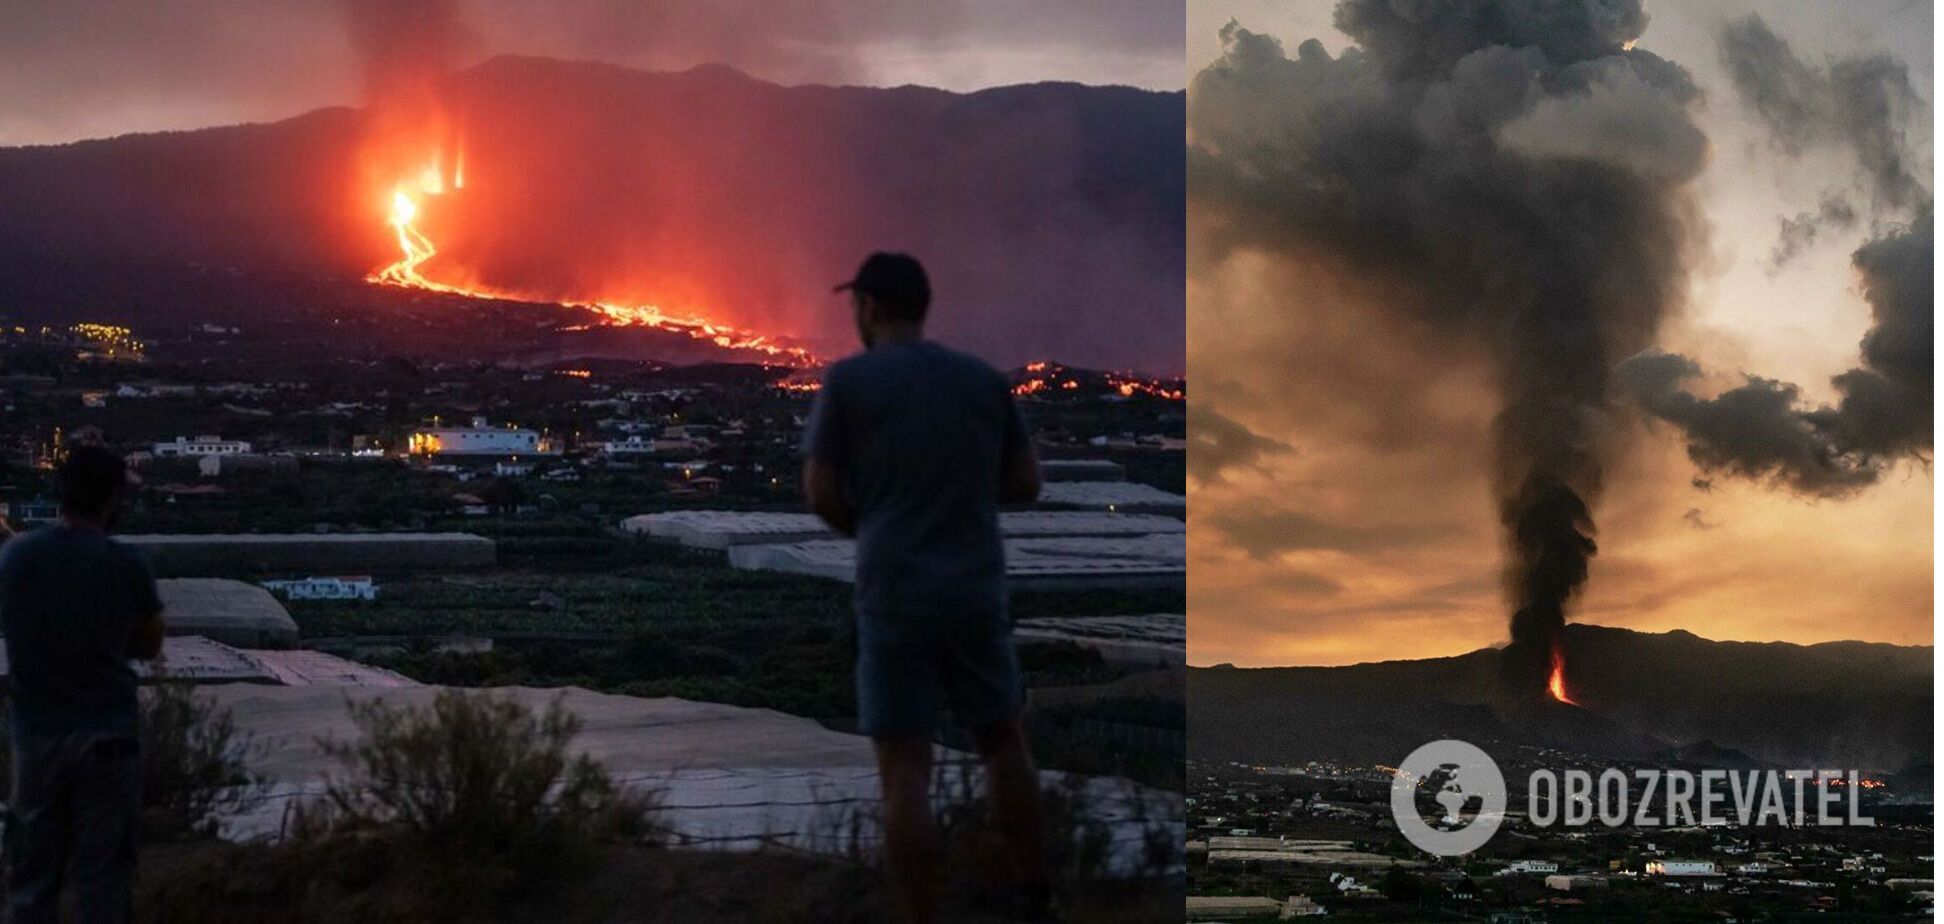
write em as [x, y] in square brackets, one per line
[921, 435]
[69, 601]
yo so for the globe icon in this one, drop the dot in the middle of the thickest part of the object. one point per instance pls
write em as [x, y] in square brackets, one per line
[1450, 793]
[1458, 777]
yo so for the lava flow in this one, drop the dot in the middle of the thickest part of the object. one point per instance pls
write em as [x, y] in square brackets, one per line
[415, 248]
[1556, 685]
[1042, 378]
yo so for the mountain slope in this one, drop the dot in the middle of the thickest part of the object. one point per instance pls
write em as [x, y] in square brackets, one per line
[1051, 214]
[1839, 704]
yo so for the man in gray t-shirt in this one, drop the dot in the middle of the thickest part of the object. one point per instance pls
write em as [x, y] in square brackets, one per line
[75, 606]
[911, 448]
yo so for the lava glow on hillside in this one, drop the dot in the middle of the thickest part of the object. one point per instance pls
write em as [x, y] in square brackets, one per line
[1045, 378]
[406, 206]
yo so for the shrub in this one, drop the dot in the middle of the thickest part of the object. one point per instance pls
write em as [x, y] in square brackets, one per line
[476, 775]
[195, 764]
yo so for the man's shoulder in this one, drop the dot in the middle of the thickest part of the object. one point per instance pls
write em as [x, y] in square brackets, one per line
[26, 546]
[847, 368]
[926, 360]
[128, 554]
[969, 366]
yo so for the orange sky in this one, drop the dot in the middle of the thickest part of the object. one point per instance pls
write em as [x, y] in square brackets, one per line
[1351, 519]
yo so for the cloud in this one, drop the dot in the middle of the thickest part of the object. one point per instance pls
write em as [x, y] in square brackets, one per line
[1762, 430]
[1514, 176]
[1858, 103]
[1797, 234]
[1217, 443]
[71, 69]
[1266, 533]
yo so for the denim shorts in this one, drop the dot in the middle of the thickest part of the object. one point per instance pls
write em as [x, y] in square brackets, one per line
[911, 669]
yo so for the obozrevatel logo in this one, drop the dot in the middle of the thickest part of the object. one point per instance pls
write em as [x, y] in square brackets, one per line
[1468, 789]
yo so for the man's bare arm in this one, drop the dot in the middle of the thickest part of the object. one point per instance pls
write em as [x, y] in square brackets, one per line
[823, 486]
[1020, 482]
[145, 641]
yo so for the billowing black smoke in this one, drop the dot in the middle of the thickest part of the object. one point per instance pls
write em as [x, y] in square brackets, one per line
[1511, 171]
[1761, 429]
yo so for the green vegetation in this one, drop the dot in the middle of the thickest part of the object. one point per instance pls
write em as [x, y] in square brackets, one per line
[480, 779]
[574, 605]
[195, 764]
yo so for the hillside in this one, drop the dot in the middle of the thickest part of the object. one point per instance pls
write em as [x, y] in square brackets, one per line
[1838, 704]
[1050, 214]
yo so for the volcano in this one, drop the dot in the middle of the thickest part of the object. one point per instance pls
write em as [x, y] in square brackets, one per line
[1050, 215]
[1844, 704]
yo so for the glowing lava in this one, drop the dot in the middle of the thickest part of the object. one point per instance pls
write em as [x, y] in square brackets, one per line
[1556, 685]
[1043, 377]
[415, 248]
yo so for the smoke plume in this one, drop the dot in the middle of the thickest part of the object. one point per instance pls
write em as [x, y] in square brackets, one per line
[1514, 173]
[1861, 103]
[403, 44]
[1762, 430]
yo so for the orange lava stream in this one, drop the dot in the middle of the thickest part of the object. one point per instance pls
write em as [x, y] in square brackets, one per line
[415, 249]
[1044, 377]
[1557, 684]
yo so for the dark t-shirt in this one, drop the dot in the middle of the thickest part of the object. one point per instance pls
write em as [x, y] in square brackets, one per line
[69, 601]
[921, 434]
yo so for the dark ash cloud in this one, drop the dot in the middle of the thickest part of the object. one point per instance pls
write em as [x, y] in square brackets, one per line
[1520, 176]
[1834, 213]
[1217, 443]
[1762, 430]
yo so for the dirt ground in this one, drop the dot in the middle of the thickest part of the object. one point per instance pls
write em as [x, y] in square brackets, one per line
[221, 883]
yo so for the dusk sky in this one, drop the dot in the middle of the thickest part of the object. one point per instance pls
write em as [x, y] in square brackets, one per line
[1346, 512]
[73, 69]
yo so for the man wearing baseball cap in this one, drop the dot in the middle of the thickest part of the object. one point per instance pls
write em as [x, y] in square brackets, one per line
[911, 447]
[75, 606]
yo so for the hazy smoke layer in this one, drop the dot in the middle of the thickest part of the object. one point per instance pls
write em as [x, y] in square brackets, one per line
[403, 42]
[1509, 170]
[1861, 103]
[1760, 430]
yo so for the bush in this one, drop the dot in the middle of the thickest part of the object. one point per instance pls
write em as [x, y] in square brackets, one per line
[478, 776]
[195, 764]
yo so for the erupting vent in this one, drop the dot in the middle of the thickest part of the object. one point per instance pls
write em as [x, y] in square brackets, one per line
[1556, 683]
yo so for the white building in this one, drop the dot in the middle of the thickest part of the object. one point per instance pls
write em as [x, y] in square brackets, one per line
[1543, 867]
[479, 440]
[202, 446]
[1682, 868]
[631, 448]
[325, 588]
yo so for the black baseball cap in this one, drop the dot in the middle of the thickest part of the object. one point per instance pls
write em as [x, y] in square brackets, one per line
[896, 278]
